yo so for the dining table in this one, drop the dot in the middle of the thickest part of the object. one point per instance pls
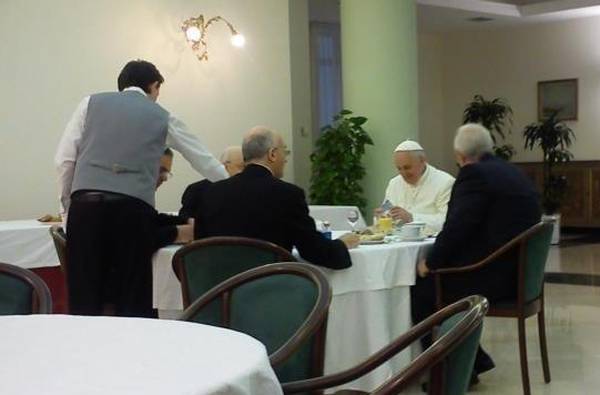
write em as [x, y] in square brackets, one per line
[64, 355]
[27, 244]
[370, 306]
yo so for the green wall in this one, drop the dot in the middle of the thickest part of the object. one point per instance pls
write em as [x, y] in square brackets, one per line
[380, 81]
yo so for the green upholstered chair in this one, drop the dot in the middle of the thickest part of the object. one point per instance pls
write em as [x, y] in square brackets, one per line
[60, 244]
[458, 366]
[204, 263]
[532, 248]
[283, 305]
[449, 360]
[22, 292]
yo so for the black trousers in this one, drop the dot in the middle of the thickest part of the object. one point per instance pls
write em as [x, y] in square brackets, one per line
[109, 251]
[496, 282]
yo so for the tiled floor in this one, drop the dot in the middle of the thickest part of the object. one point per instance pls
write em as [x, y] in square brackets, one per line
[572, 327]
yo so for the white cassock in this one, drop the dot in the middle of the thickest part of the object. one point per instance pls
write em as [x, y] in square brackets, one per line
[427, 201]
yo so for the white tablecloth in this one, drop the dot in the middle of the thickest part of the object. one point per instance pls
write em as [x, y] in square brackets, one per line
[336, 215]
[57, 354]
[27, 244]
[370, 306]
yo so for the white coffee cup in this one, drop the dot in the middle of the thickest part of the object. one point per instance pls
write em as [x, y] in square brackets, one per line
[412, 230]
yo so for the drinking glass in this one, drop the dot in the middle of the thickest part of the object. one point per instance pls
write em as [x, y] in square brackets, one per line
[353, 217]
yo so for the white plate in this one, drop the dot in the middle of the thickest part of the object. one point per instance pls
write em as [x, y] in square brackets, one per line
[369, 242]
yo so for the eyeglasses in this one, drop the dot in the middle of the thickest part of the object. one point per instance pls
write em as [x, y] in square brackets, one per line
[286, 151]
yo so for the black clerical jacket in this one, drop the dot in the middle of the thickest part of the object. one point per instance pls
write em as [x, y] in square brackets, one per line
[492, 201]
[256, 204]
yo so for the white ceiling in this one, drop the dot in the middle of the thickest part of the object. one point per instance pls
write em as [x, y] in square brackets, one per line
[454, 15]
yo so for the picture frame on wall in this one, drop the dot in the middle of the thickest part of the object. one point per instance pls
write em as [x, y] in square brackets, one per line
[558, 95]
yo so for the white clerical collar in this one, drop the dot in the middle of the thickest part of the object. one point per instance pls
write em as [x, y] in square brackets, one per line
[135, 89]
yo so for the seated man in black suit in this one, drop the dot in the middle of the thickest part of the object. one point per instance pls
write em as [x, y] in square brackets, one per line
[232, 159]
[257, 203]
[491, 202]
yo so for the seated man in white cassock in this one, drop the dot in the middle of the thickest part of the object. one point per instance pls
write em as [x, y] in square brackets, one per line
[420, 192]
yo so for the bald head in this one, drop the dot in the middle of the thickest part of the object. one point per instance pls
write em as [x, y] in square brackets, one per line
[265, 147]
[233, 160]
[257, 143]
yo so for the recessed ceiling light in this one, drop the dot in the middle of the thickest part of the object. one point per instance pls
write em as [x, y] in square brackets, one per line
[480, 19]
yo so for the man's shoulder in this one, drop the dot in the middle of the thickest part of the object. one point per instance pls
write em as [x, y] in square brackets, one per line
[103, 95]
[197, 187]
[494, 167]
[287, 187]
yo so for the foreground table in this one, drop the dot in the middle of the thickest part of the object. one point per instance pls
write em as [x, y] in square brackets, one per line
[370, 305]
[57, 354]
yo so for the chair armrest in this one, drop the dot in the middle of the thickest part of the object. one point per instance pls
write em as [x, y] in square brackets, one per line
[355, 372]
[375, 360]
[517, 241]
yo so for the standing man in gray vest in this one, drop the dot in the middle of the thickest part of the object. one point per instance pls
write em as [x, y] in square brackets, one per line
[108, 162]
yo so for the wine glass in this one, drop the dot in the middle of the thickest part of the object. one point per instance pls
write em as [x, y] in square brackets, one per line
[353, 217]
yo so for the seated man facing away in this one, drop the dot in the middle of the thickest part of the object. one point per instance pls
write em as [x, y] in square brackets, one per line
[170, 228]
[256, 203]
[233, 161]
[492, 202]
[420, 192]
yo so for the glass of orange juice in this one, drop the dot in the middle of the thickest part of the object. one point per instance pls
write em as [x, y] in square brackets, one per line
[385, 224]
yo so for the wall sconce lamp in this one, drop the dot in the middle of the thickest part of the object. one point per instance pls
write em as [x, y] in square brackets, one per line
[195, 31]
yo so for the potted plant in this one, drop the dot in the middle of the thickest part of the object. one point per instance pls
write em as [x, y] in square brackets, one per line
[336, 162]
[496, 116]
[554, 138]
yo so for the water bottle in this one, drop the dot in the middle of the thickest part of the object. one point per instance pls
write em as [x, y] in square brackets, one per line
[327, 230]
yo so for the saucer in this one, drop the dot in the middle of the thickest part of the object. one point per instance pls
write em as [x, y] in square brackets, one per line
[414, 238]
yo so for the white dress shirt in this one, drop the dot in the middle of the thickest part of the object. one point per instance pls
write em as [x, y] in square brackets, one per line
[427, 201]
[178, 138]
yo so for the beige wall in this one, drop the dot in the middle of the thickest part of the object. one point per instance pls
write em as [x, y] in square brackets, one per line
[509, 63]
[54, 53]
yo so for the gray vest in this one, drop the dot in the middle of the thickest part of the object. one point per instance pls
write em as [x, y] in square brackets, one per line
[121, 145]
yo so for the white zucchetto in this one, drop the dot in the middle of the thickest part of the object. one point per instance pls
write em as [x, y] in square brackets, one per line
[408, 145]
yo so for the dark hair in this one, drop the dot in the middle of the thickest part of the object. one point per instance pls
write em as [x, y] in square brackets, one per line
[139, 73]
[168, 152]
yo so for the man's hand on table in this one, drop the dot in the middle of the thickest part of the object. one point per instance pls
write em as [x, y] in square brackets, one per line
[398, 213]
[185, 233]
[351, 240]
[422, 269]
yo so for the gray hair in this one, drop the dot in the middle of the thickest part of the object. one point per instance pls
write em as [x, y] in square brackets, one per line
[257, 143]
[473, 140]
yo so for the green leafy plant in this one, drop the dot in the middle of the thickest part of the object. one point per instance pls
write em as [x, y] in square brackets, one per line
[336, 163]
[554, 138]
[496, 116]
